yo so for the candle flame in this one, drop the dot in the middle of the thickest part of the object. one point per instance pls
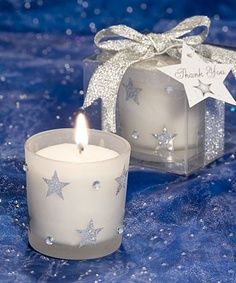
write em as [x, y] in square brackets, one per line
[81, 130]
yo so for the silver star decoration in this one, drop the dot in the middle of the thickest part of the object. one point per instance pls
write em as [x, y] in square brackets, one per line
[204, 88]
[132, 92]
[88, 236]
[164, 140]
[122, 180]
[192, 69]
[55, 186]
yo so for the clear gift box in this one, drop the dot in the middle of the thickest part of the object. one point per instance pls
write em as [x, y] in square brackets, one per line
[153, 114]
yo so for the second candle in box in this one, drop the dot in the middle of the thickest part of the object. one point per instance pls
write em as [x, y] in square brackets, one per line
[76, 192]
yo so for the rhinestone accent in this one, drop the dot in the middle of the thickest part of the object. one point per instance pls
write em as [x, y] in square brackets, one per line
[169, 89]
[135, 134]
[96, 185]
[49, 241]
[25, 167]
[120, 230]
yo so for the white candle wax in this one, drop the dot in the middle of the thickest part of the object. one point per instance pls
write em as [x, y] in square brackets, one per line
[69, 152]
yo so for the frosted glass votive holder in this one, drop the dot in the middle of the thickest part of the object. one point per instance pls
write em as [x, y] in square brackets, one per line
[76, 210]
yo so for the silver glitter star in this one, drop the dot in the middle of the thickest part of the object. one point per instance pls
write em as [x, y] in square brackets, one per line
[122, 180]
[164, 140]
[204, 88]
[88, 236]
[132, 92]
[55, 186]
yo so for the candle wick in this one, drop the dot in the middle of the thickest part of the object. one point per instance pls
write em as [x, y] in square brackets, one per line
[80, 148]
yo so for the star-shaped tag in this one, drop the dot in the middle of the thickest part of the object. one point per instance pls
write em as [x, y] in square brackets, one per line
[200, 79]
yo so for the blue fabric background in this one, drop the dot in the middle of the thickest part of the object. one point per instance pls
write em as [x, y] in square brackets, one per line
[88, 16]
[177, 229]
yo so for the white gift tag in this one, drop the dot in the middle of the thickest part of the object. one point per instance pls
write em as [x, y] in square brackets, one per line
[200, 79]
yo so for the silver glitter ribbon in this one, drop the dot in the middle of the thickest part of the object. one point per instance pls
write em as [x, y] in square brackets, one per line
[129, 46]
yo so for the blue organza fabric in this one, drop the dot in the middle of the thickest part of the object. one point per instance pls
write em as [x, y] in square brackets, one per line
[88, 16]
[177, 229]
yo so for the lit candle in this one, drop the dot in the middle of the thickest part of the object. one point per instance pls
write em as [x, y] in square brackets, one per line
[80, 151]
[76, 191]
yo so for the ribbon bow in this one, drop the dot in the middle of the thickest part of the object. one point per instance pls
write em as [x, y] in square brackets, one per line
[130, 46]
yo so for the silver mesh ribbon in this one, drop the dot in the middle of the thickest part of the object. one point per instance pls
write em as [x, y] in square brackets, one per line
[130, 46]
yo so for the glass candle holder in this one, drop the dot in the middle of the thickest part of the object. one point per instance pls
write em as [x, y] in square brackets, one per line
[76, 210]
[153, 114]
